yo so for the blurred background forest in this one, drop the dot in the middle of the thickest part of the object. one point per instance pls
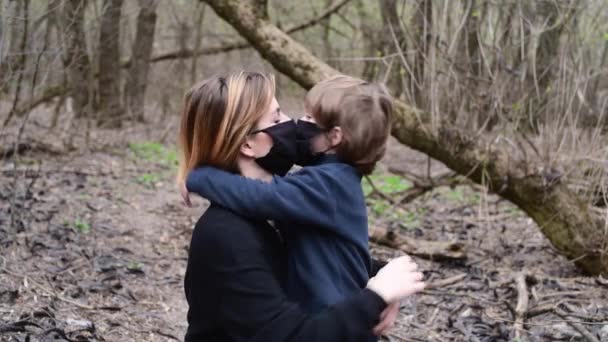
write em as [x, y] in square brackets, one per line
[495, 179]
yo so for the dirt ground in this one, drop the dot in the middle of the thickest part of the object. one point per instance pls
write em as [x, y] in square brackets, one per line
[94, 245]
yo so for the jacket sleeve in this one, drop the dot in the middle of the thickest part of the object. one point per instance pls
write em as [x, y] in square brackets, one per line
[304, 197]
[376, 265]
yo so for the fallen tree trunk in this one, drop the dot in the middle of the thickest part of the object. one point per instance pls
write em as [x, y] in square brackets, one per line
[563, 217]
[430, 250]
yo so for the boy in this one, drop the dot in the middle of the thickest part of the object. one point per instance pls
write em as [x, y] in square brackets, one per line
[321, 208]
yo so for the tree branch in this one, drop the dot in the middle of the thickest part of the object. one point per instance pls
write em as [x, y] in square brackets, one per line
[243, 44]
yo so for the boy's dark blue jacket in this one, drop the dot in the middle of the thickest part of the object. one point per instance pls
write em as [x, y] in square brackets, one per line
[321, 210]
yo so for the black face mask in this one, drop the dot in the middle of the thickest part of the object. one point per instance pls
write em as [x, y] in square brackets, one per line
[284, 152]
[305, 132]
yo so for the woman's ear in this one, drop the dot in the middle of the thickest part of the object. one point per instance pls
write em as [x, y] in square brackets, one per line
[335, 136]
[247, 148]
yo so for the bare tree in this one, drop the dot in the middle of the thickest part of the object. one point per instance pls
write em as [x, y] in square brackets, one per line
[11, 38]
[198, 38]
[111, 110]
[422, 30]
[137, 79]
[75, 57]
[394, 36]
[18, 58]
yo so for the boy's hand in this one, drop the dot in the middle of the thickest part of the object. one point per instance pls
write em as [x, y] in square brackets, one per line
[185, 196]
[396, 280]
[387, 319]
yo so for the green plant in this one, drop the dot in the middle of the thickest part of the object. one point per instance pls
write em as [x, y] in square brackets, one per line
[78, 225]
[148, 179]
[410, 220]
[135, 266]
[379, 206]
[387, 183]
[155, 152]
[455, 195]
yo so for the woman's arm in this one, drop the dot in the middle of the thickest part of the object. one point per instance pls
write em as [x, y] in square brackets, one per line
[254, 306]
[376, 265]
[254, 299]
[253, 303]
[303, 197]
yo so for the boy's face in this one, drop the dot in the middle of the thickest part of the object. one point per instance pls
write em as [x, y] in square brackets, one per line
[309, 118]
[324, 141]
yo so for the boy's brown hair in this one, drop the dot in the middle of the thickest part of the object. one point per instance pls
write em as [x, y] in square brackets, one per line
[361, 109]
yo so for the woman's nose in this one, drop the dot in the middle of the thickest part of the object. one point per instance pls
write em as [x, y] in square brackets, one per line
[284, 117]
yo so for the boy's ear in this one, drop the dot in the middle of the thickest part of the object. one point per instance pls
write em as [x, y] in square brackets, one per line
[247, 148]
[335, 136]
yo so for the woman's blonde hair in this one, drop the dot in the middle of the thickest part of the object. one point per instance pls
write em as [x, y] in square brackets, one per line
[218, 115]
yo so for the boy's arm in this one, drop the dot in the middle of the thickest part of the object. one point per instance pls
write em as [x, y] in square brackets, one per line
[303, 197]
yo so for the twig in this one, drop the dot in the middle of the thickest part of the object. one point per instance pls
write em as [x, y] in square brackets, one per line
[375, 190]
[47, 290]
[542, 324]
[447, 281]
[576, 325]
[431, 250]
[522, 303]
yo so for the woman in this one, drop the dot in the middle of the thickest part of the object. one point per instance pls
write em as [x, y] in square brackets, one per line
[235, 266]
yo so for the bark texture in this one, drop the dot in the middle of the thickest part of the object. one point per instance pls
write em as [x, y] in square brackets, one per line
[137, 78]
[111, 111]
[75, 58]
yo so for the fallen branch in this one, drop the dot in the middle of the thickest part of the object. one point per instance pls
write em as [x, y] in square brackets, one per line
[431, 250]
[576, 325]
[47, 95]
[446, 282]
[47, 290]
[522, 304]
[33, 146]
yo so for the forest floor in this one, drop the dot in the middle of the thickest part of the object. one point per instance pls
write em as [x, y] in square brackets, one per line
[94, 243]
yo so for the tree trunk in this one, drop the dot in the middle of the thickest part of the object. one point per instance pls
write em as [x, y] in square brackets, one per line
[19, 60]
[562, 216]
[394, 35]
[547, 44]
[423, 23]
[9, 53]
[111, 111]
[543, 57]
[327, 46]
[370, 43]
[142, 50]
[198, 39]
[75, 57]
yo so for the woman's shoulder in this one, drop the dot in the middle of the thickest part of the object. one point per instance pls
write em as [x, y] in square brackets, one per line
[217, 216]
[224, 235]
[216, 213]
[222, 226]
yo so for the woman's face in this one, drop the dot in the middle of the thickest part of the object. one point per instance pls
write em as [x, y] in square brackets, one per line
[261, 143]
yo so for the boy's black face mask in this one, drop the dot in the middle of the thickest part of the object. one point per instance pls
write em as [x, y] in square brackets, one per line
[284, 151]
[305, 132]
